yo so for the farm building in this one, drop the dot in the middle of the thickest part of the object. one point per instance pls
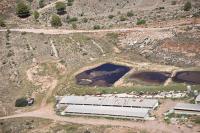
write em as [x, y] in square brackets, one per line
[107, 111]
[109, 101]
[186, 108]
[197, 100]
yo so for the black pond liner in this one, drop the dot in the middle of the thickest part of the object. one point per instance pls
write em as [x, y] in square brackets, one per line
[151, 77]
[103, 75]
[188, 77]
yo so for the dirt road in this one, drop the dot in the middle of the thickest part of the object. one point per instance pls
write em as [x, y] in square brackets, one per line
[153, 126]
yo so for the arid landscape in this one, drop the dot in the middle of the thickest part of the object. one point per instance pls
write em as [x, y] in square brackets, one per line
[144, 49]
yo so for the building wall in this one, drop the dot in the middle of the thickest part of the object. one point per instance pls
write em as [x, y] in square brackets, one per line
[186, 112]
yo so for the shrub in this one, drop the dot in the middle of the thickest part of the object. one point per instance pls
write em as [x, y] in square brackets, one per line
[187, 6]
[111, 16]
[36, 15]
[41, 3]
[60, 7]
[21, 102]
[22, 10]
[70, 0]
[2, 22]
[69, 4]
[130, 14]
[96, 27]
[173, 2]
[85, 20]
[122, 18]
[74, 26]
[56, 21]
[74, 19]
[141, 21]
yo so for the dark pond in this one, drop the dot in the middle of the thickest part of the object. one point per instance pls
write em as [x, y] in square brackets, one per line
[103, 75]
[151, 77]
[189, 77]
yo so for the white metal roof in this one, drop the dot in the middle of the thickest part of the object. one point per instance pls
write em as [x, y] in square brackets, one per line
[107, 110]
[187, 106]
[198, 98]
[109, 101]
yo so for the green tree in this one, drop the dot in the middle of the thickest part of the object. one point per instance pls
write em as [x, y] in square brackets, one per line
[41, 3]
[56, 21]
[36, 15]
[22, 10]
[187, 6]
[60, 7]
[2, 22]
[21, 102]
[111, 16]
[130, 14]
[96, 27]
[141, 21]
[122, 18]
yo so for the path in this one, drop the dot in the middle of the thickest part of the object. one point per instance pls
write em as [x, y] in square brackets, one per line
[64, 31]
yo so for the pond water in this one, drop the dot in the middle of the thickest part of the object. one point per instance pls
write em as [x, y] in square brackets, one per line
[103, 75]
[151, 77]
[189, 77]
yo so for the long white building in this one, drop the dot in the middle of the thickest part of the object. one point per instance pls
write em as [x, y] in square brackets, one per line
[187, 108]
[107, 111]
[109, 101]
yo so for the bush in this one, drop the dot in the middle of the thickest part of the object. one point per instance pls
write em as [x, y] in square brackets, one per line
[96, 27]
[36, 15]
[21, 102]
[2, 22]
[60, 7]
[187, 6]
[130, 14]
[122, 18]
[74, 26]
[141, 21]
[56, 21]
[173, 2]
[74, 19]
[69, 4]
[22, 10]
[85, 20]
[41, 3]
[111, 16]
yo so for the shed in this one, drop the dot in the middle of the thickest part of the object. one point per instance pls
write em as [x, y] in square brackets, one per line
[109, 101]
[186, 108]
[197, 100]
[107, 111]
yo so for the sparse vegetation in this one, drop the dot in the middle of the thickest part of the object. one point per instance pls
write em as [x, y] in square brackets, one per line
[74, 26]
[36, 15]
[111, 16]
[173, 2]
[2, 22]
[141, 21]
[56, 21]
[22, 10]
[85, 20]
[96, 27]
[70, 2]
[187, 6]
[41, 3]
[122, 18]
[60, 7]
[130, 14]
[73, 19]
